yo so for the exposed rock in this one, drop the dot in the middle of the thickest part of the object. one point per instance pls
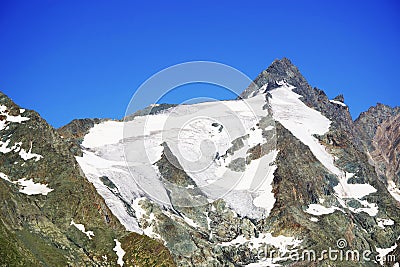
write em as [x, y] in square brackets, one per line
[386, 153]
[339, 98]
[367, 123]
[36, 229]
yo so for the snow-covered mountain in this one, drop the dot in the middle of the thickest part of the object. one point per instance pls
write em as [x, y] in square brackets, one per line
[217, 182]
[281, 176]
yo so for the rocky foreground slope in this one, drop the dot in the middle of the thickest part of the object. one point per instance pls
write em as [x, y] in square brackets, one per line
[323, 182]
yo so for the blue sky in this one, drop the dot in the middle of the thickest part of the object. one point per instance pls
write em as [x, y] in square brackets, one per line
[77, 59]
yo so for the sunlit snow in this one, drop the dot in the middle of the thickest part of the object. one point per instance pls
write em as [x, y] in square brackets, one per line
[303, 122]
[120, 252]
[393, 190]
[317, 209]
[384, 222]
[9, 118]
[81, 228]
[338, 103]
[25, 155]
[383, 252]
[29, 187]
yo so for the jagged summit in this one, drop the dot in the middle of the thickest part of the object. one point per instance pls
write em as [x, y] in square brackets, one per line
[284, 70]
[339, 98]
[280, 69]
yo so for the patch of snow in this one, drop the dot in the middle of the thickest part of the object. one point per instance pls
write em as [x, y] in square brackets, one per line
[370, 208]
[383, 252]
[384, 222]
[213, 209]
[284, 245]
[282, 83]
[281, 242]
[344, 191]
[258, 91]
[18, 149]
[313, 219]
[266, 198]
[209, 224]
[21, 110]
[357, 191]
[4, 177]
[17, 119]
[81, 228]
[4, 147]
[10, 118]
[190, 222]
[29, 155]
[29, 187]
[338, 103]
[120, 252]
[317, 209]
[393, 190]
[150, 221]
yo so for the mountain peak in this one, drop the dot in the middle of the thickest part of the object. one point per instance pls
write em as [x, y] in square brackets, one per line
[339, 98]
[280, 69]
[284, 62]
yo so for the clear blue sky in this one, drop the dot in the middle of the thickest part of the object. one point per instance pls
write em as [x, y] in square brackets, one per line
[76, 59]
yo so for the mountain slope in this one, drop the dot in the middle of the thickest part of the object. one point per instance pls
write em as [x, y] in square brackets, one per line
[297, 174]
[50, 214]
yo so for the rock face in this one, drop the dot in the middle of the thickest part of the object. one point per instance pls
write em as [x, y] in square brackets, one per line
[378, 128]
[327, 184]
[387, 148]
[50, 214]
[368, 122]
